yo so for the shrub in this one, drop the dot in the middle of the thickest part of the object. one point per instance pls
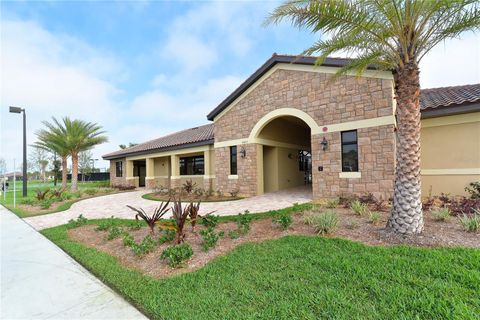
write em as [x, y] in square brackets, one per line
[46, 204]
[137, 225]
[284, 221]
[210, 221]
[80, 221]
[66, 196]
[234, 193]
[180, 216]
[124, 187]
[189, 186]
[199, 192]
[177, 255]
[147, 245]
[28, 201]
[114, 233]
[57, 193]
[346, 200]
[470, 224]
[324, 223]
[358, 207]
[463, 205]
[77, 194]
[374, 217]
[105, 224]
[158, 213]
[193, 214]
[233, 234]
[440, 214]
[368, 198]
[41, 194]
[243, 223]
[128, 240]
[210, 238]
[167, 236]
[90, 191]
[474, 189]
[332, 203]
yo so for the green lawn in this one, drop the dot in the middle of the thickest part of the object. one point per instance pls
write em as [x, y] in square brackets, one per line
[7, 198]
[301, 277]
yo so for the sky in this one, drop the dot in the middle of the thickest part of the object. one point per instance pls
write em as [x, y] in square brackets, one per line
[143, 69]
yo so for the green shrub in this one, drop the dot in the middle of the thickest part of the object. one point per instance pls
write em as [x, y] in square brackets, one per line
[233, 234]
[105, 224]
[137, 225]
[147, 245]
[440, 214]
[374, 217]
[46, 204]
[28, 201]
[471, 224]
[210, 221]
[115, 232]
[324, 223]
[177, 255]
[77, 194]
[90, 191]
[128, 240]
[66, 196]
[167, 236]
[80, 221]
[210, 238]
[332, 203]
[284, 221]
[474, 190]
[359, 208]
[243, 222]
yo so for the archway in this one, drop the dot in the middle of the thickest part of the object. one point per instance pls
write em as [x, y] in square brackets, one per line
[286, 141]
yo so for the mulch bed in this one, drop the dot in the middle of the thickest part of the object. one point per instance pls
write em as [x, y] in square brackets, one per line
[350, 227]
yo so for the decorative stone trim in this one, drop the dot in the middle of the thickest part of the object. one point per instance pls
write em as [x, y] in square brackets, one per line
[449, 172]
[233, 176]
[350, 175]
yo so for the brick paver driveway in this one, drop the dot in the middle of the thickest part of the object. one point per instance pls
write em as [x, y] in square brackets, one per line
[115, 205]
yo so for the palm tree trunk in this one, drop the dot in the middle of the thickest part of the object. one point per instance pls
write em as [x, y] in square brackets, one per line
[407, 216]
[74, 171]
[64, 172]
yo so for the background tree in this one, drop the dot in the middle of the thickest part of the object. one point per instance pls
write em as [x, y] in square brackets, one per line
[391, 35]
[80, 136]
[3, 166]
[53, 138]
[38, 161]
[85, 163]
[130, 144]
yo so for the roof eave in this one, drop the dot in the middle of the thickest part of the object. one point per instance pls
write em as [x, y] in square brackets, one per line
[451, 110]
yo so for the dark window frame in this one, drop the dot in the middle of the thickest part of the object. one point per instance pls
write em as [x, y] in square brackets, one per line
[192, 165]
[349, 143]
[119, 169]
[233, 160]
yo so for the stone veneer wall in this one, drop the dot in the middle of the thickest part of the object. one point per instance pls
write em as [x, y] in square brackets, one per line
[114, 180]
[328, 102]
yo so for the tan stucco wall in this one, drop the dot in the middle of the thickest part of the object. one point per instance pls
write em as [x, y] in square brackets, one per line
[288, 173]
[270, 168]
[283, 130]
[162, 166]
[450, 153]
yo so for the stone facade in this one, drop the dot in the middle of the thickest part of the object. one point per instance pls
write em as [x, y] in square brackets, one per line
[328, 102]
[114, 180]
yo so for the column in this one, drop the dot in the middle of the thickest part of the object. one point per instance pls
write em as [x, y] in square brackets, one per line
[175, 173]
[131, 179]
[150, 174]
[207, 178]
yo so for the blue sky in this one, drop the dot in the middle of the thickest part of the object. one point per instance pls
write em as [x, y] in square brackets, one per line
[143, 69]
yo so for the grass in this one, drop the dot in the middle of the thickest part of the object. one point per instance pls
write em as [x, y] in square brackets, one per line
[301, 277]
[7, 201]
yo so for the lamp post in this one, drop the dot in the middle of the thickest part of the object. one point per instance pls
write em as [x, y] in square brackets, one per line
[24, 178]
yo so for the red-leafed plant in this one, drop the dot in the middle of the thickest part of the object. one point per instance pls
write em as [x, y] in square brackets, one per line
[193, 210]
[180, 215]
[151, 220]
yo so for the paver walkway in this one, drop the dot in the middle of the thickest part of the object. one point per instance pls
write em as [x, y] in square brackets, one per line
[40, 281]
[115, 205]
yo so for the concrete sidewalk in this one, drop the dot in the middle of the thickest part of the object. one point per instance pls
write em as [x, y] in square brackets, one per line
[40, 281]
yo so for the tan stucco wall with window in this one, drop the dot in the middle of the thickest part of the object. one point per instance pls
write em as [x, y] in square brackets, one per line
[450, 153]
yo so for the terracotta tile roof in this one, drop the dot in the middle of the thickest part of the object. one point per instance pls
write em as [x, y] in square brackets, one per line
[201, 135]
[449, 96]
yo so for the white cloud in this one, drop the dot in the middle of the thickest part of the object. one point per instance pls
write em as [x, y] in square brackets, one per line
[189, 51]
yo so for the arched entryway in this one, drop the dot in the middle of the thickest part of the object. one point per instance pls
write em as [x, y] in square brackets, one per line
[286, 142]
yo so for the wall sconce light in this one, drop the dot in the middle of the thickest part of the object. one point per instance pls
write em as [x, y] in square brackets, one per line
[324, 144]
[243, 152]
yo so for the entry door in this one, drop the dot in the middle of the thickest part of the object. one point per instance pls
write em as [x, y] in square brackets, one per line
[305, 165]
[142, 172]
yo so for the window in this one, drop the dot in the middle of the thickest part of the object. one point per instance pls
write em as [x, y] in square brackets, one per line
[349, 151]
[192, 166]
[118, 169]
[233, 160]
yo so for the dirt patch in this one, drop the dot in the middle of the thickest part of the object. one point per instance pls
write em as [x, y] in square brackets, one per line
[350, 227]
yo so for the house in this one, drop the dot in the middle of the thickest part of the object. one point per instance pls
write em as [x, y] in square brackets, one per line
[291, 124]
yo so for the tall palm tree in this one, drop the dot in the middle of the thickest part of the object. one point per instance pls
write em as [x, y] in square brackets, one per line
[52, 138]
[392, 35]
[80, 136]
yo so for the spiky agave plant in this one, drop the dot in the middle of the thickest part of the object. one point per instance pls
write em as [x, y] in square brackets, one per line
[159, 212]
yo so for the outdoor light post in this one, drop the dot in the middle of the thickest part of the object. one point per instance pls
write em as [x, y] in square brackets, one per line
[24, 177]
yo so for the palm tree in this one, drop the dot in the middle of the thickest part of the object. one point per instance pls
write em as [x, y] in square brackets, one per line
[53, 139]
[80, 136]
[392, 35]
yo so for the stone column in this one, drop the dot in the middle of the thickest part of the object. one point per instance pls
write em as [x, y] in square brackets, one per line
[150, 177]
[175, 173]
